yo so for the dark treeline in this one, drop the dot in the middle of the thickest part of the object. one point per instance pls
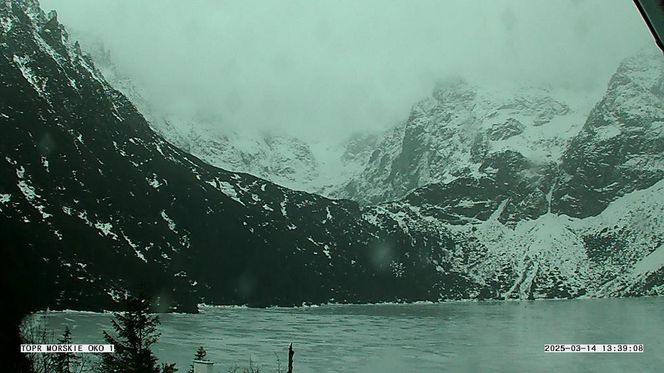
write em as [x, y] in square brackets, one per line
[134, 333]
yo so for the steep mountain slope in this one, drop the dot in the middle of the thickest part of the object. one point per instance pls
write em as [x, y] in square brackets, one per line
[283, 159]
[621, 146]
[624, 244]
[616, 253]
[95, 204]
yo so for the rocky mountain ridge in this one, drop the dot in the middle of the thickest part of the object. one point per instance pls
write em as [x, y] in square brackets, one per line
[462, 126]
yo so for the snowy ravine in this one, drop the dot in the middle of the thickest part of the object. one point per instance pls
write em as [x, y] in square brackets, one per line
[311, 166]
[94, 203]
[616, 253]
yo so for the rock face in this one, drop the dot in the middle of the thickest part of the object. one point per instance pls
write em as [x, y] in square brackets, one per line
[466, 149]
[463, 130]
[621, 146]
[499, 198]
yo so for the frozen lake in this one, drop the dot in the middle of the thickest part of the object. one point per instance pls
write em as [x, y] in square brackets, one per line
[450, 337]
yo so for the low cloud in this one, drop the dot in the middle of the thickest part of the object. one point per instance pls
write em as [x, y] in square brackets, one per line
[327, 68]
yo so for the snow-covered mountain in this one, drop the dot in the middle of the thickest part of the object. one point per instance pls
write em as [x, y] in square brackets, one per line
[284, 160]
[281, 158]
[616, 253]
[505, 195]
[453, 133]
[587, 222]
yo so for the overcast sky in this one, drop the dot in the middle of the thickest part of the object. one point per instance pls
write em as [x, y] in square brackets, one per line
[318, 67]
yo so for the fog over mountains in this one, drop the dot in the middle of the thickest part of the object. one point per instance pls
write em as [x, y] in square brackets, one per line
[330, 68]
[230, 83]
[477, 192]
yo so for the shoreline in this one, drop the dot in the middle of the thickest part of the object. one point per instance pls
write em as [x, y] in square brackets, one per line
[203, 306]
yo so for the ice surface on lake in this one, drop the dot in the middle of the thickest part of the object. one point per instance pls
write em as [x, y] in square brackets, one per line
[452, 337]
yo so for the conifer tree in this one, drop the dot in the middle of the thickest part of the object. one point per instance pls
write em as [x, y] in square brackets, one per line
[67, 361]
[135, 333]
[199, 355]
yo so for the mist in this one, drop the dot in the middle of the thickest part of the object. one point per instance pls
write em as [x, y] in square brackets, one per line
[328, 68]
